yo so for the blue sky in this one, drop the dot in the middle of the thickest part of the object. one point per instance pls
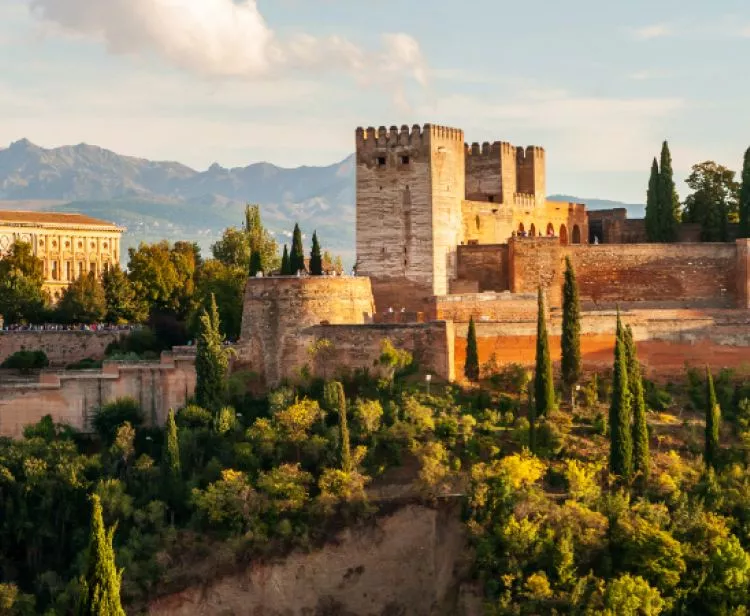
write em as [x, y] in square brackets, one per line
[599, 85]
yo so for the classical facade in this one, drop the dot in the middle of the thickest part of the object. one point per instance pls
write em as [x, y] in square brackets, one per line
[69, 245]
[422, 192]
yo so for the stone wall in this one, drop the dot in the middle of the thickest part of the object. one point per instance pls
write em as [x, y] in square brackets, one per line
[61, 347]
[743, 273]
[695, 274]
[497, 307]
[72, 397]
[486, 264]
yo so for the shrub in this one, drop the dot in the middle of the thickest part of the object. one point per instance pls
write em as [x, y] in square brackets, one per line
[138, 342]
[26, 361]
[514, 378]
[657, 399]
[193, 416]
[85, 364]
[111, 416]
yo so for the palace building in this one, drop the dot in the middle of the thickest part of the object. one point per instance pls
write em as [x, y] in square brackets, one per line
[69, 245]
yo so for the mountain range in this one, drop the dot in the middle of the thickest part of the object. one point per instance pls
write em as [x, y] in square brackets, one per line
[168, 200]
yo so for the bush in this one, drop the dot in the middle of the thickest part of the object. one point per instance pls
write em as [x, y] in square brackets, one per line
[85, 364]
[193, 416]
[138, 342]
[657, 399]
[514, 378]
[26, 361]
[111, 416]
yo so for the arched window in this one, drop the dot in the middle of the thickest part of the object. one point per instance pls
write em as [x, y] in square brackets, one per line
[576, 234]
[532, 230]
[563, 235]
[550, 230]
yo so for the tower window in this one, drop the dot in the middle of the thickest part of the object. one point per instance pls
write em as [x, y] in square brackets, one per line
[491, 198]
[381, 161]
[404, 160]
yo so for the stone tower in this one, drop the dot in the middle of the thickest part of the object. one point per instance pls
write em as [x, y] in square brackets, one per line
[410, 186]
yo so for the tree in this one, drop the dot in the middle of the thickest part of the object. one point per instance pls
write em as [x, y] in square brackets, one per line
[471, 366]
[571, 329]
[286, 266]
[621, 438]
[641, 454]
[227, 284]
[713, 203]
[544, 385]
[652, 204]
[297, 255]
[256, 263]
[21, 280]
[669, 202]
[211, 361]
[713, 419]
[122, 302]
[100, 593]
[83, 301]
[316, 260]
[332, 263]
[171, 454]
[744, 200]
[236, 246]
[335, 400]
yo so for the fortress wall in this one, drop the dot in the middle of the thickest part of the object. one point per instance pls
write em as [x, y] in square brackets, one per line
[667, 340]
[486, 223]
[73, 397]
[61, 347]
[488, 307]
[484, 171]
[743, 273]
[487, 264]
[698, 274]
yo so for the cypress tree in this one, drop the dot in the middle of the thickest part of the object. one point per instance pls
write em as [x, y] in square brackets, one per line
[211, 360]
[652, 205]
[571, 329]
[471, 366]
[170, 462]
[256, 263]
[744, 230]
[544, 385]
[621, 438]
[669, 202]
[286, 268]
[100, 593]
[641, 454]
[713, 418]
[335, 401]
[316, 260]
[297, 255]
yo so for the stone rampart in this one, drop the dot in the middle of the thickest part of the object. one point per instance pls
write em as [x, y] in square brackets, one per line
[487, 264]
[73, 396]
[61, 347]
[498, 307]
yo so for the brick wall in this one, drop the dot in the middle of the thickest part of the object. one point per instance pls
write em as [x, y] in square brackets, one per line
[498, 307]
[743, 273]
[61, 347]
[487, 264]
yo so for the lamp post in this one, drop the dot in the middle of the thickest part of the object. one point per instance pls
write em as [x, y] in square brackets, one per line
[573, 395]
[427, 379]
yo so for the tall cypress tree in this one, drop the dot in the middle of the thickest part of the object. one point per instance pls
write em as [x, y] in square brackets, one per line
[713, 419]
[641, 453]
[316, 259]
[471, 366]
[211, 360]
[745, 197]
[669, 202]
[335, 402]
[286, 268]
[100, 592]
[170, 463]
[544, 385]
[256, 262]
[653, 226]
[621, 438]
[571, 329]
[297, 255]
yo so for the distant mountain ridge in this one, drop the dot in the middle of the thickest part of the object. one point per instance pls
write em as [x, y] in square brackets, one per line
[164, 199]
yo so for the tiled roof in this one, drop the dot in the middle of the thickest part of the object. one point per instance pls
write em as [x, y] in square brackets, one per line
[51, 218]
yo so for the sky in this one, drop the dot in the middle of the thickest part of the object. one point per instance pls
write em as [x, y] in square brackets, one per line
[598, 84]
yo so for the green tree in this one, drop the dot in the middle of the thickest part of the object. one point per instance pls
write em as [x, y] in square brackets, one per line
[713, 202]
[335, 401]
[471, 366]
[713, 420]
[641, 453]
[171, 454]
[571, 329]
[744, 200]
[100, 586]
[669, 202]
[286, 266]
[236, 246]
[652, 205]
[544, 385]
[22, 298]
[227, 284]
[256, 263]
[620, 434]
[211, 361]
[297, 254]
[83, 301]
[316, 260]
[123, 303]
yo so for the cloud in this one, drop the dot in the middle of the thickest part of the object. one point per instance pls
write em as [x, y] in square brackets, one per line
[225, 39]
[652, 32]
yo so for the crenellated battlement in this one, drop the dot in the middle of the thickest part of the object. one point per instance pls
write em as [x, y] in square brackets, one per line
[486, 149]
[531, 152]
[523, 200]
[417, 136]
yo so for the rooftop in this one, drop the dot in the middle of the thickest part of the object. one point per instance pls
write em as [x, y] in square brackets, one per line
[52, 219]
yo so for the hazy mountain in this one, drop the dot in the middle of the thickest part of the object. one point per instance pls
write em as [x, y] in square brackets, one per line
[635, 210]
[157, 200]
